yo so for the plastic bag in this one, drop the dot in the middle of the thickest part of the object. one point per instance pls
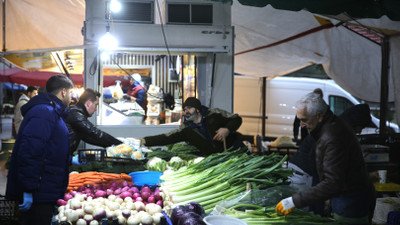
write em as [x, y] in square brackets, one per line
[266, 197]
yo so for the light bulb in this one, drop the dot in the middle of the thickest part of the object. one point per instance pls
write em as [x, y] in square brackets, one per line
[108, 42]
[115, 6]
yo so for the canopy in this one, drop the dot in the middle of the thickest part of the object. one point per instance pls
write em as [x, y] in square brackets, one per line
[37, 78]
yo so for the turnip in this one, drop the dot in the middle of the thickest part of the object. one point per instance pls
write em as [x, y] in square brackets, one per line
[109, 192]
[145, 189]
[119, 200]
[145, 195]
[146, 219]
[126, 212]
[126, 188]
[61, 202]
[128, 199]
[151, 199]
[121, 220]
[88, 218]
[133, 220]
[157, 218]
[117, 191]
[134, 190]
[80, 213]
[72, 216]
[118, 212]
[88, 209]
[136, 194]
[160, 203]
[130, 205]
[109, 214]
[113, 206]
[139, 206]
[152, 208]
[112, 197]
[100, 193]
[94, 222]
[139, 199]
[67, 197]
[99, 213]
[76, 203]
[125, 194]
[81, 222]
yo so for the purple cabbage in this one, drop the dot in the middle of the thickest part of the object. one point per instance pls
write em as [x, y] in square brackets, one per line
[191, 218]
[177, 212]
[196, 208]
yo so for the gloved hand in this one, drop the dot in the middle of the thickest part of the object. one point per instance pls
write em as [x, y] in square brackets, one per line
[285, 206]
[75, 161]
[26, 205]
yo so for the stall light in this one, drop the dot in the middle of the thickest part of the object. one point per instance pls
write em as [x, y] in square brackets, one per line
[105, 55]
[108, 42]
[115, 6]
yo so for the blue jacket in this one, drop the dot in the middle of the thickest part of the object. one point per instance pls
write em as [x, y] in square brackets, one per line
[41, 157]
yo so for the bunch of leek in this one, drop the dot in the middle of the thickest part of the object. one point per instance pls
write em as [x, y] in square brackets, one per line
[258, 215]
[221, 176]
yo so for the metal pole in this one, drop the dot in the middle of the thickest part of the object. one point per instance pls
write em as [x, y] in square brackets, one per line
[385, 49]
[264, 101]
[4, 25]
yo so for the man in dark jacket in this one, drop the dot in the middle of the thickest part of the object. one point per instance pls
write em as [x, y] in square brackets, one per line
[206, 129]
[80, 128]
[339, 162]
[38, 173]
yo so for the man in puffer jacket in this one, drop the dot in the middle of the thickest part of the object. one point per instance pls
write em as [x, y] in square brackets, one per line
[80, 128]
[39, 166]
[206, 129]
[340, 166]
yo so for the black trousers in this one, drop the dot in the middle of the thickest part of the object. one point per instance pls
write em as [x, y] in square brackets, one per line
[38, 214]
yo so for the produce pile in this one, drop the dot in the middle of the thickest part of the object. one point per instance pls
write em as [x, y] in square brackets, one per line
[124, 151]
[182, 150]
[221, 176]
[77, 180]
[258, 215]
[110, 196]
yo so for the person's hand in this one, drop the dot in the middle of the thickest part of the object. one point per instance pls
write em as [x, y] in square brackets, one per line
[142, 141]
[28, 200]
[285, 206]
[75, 161]
[221, 134]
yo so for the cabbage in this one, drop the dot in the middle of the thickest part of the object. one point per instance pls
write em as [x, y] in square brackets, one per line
[196, 208]
[191, 218]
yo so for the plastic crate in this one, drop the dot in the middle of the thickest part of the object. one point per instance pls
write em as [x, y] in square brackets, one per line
[100, 155]
[9, 212]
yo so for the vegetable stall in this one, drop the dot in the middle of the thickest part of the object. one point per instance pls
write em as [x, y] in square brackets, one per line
[190, 189]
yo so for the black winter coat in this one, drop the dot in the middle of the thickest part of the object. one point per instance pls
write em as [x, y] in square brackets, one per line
[339, 161]
[80, 128]
[214, 119]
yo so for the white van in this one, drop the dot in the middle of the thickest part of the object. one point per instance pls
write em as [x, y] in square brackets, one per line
[282, 94]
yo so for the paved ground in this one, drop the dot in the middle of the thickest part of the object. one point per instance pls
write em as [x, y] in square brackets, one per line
[6, 130]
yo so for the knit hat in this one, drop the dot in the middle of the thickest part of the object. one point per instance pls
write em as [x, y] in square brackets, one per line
[192, 102]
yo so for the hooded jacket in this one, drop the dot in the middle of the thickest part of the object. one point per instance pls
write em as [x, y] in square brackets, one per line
[80, 128]
[339, 162]
[201, 136]
[17, 111]
[41, 157]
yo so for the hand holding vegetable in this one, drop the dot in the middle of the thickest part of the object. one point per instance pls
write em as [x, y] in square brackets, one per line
[28, 200]
[285, 206]
[221, 134]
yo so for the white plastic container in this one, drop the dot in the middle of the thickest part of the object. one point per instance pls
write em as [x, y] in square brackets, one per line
[222, 220]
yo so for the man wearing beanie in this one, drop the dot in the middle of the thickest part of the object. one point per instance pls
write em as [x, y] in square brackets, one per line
[206, 129]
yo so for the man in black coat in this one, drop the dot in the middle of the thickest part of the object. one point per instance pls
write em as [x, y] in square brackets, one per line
[80, 128]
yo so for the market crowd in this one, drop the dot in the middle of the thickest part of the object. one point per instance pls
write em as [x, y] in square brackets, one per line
[51, 131]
